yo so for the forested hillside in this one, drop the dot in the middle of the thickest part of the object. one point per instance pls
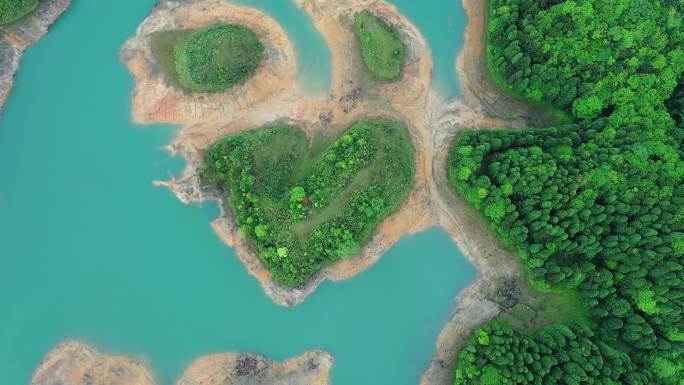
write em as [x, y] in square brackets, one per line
[597, 206]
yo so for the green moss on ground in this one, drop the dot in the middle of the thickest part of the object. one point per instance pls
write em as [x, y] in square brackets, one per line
[210, 59]
[382, 50]
[13, 10]
[302, 210]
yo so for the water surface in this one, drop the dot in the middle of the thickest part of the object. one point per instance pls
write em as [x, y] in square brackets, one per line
[443, 24]
[90, 250]
[313, 56]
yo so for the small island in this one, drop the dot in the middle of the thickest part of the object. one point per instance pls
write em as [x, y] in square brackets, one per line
[210, 59]
[304, 208]
[382, 50]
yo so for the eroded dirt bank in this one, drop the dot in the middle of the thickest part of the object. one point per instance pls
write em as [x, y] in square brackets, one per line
[74, 363]
[17, 38]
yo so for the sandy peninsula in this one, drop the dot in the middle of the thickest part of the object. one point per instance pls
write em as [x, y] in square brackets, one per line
[17, 38]
[74, 363]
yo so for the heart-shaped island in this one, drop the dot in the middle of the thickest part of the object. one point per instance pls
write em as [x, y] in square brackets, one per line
[301, 207]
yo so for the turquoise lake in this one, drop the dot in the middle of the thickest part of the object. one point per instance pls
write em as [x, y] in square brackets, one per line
[90, 250]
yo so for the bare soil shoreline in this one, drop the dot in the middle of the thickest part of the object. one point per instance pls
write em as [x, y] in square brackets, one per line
[15, 39]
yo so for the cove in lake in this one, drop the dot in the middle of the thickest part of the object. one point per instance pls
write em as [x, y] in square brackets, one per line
[313, 55]
[90, 250]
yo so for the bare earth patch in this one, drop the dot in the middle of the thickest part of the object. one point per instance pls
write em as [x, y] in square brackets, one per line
[73, 363]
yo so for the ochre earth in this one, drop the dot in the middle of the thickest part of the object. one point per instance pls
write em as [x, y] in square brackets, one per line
[74, 363]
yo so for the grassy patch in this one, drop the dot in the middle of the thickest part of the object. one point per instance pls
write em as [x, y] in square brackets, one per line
[564, 307]
[303, 209]
[382, 50]
[13, 10]
[211, 59]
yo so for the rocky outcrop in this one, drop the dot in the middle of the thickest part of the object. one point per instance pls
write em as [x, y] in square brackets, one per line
[18, 37]
[73, 363]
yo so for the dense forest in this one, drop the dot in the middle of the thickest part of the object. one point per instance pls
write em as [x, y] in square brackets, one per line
[13, 10]
[382, 50]
[595, 207]
[303, 209]
[210, 59]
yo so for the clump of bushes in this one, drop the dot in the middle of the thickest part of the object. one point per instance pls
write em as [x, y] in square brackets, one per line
[302, 210]
[211, 59]
[382, 50]
[13, 10]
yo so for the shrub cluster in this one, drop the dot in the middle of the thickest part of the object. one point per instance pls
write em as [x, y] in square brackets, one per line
[301, 211]
[597, 206]
[13, 10]
[558, 354]
[211, 59]
[382, 50]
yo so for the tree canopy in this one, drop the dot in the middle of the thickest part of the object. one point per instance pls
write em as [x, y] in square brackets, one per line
[595, 206]
[13, 10]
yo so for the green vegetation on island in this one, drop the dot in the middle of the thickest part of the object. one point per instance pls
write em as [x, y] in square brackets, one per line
[210, 59]
[595, 207]
[13, 10]
[301, 209]
[382, 50]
